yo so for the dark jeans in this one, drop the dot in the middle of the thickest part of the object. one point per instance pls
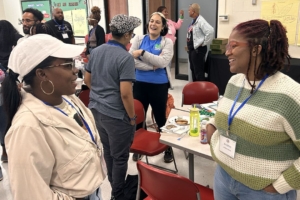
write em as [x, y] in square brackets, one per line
[3, 122]
[154, 94]
[116, 137]
[197, 63]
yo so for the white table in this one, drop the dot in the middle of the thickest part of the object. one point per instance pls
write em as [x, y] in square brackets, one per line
[189, 144]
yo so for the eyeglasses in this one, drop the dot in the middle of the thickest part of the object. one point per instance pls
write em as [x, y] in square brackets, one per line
[68, 66]
[231, 45]
[27, 21]
[91, 19]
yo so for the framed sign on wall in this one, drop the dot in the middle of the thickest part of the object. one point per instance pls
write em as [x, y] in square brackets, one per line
[41, 5]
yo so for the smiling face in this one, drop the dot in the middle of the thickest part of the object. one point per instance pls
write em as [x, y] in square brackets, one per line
[28, 20]
[238, 53]
[155, 25]
[165, 12]
[63, 77]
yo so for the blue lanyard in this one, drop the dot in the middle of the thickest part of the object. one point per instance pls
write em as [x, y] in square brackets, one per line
[85, 123]
[232, 115]
[61, 25]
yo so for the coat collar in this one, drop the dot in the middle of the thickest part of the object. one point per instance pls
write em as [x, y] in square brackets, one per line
[44, 113]
[49, 116]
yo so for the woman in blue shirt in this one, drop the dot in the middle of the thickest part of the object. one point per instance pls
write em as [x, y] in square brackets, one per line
[153, 52]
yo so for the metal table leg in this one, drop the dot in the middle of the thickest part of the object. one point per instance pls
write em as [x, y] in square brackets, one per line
[191, 167]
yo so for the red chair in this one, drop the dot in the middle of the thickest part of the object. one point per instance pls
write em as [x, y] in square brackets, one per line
[84, 96]
[162, 185]
[147, 142]
[108, 36]
[86, 39]
[199, 92]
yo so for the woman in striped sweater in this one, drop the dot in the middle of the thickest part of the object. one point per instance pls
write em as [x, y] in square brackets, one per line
[255, 135]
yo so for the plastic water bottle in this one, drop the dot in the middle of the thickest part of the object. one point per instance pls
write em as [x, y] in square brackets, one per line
[194, 122]
[203, 132]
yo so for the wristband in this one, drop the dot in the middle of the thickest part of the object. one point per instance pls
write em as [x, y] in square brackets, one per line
[181, 16]
[133, 118]
[142, 52]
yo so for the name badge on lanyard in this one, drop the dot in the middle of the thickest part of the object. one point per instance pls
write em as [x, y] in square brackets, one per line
[65, 35]
[227, 145]
[188, 35]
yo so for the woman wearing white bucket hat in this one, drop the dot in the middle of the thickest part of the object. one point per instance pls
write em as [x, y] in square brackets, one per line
[53, 145]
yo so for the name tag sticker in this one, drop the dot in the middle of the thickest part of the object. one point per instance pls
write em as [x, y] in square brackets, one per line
[169, 31]
[65, 35]
[227, 146]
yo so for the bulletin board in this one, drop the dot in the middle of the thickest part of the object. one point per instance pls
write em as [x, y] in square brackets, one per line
[75, 12]
[288, 13]
[43, 6]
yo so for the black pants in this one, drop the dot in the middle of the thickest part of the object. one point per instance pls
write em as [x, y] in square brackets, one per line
[154, 94]
[116, 137]
[197, 63]
[3, 122]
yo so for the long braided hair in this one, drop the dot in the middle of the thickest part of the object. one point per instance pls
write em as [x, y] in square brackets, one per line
[274, 42]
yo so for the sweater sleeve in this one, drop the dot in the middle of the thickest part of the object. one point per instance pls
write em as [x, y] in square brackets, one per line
[290, 178]
[162, 60]
[138, 63]
[178, 24]
[135, 44]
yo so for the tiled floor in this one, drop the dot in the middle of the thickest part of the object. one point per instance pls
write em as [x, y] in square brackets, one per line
[204, 169]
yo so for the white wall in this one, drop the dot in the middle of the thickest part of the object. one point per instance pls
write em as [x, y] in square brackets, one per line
[239, 11]
[13, 12]
[135, 9]
[2, 12]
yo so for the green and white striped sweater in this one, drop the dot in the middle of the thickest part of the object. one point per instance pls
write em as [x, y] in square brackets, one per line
[267, 130]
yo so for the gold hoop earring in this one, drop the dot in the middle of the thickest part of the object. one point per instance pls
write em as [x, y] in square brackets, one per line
[47, 93]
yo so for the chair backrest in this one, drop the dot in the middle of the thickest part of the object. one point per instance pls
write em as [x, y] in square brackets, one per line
[84, 96]
[160, 185]
[199, 92]
[139, 111]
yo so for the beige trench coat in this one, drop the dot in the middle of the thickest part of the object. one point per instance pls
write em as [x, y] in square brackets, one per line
[50, 156]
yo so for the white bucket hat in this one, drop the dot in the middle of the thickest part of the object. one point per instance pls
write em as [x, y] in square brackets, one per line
[33, 50]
